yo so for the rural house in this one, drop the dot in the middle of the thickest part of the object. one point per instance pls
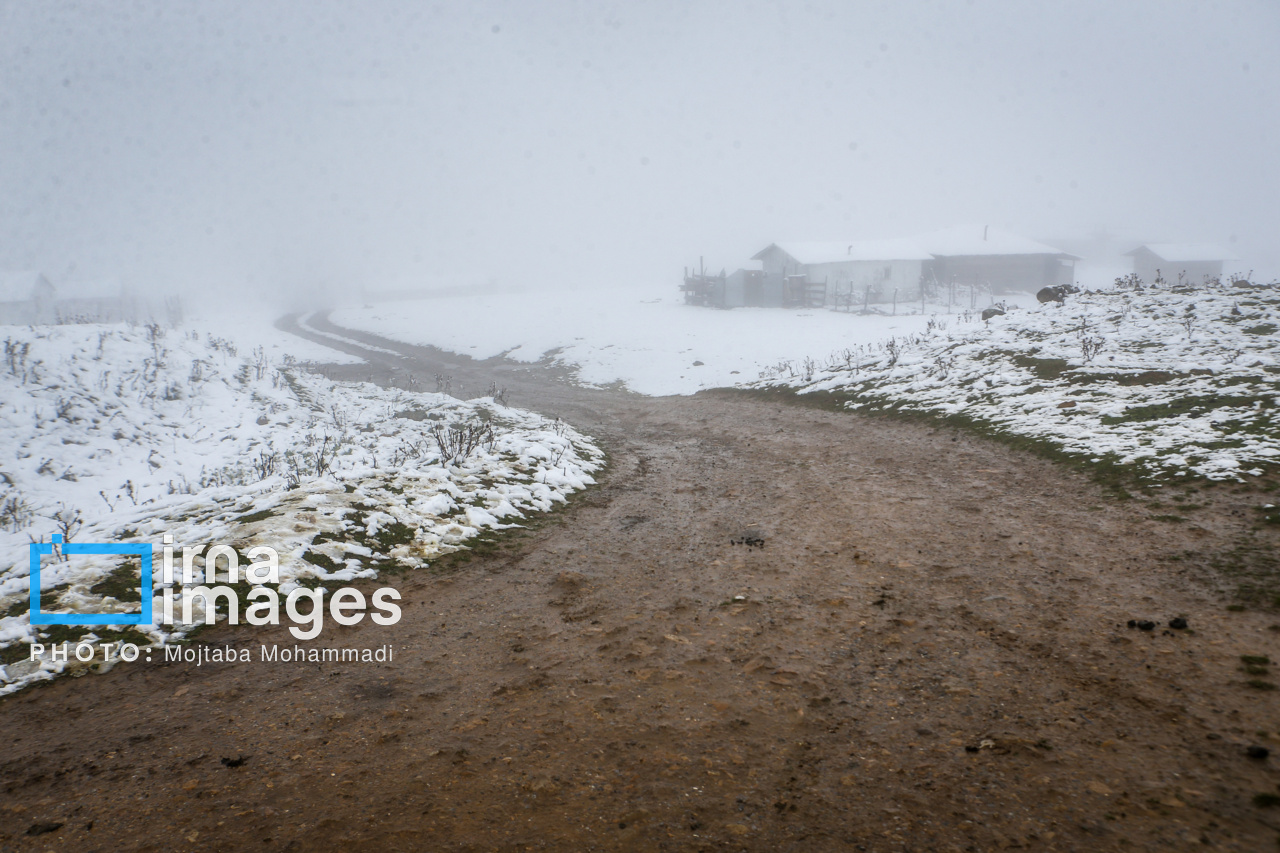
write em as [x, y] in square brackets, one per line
[830, 274]
[93, 302]
[1191, 261]
[990, 258]
[857, 272]
[25, 297]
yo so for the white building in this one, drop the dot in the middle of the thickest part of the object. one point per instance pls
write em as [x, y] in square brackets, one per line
[26, 297]
[817, 274]
[1193, 261]
[994, 260]
[102, 301]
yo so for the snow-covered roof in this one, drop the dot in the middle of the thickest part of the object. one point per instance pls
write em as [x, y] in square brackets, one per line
[898, 249]
[1184, 252]
[959, 240]
[983, 240]
[19, 285]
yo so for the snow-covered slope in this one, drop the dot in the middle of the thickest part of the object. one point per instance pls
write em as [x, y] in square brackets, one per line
[1170, 380]
[650, 341]
[109, 434]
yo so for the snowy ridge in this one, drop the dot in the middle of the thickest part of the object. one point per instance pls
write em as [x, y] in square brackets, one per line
[118, 435]
[1173, 381]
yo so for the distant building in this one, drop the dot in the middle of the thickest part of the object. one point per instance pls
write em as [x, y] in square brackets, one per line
[26, 297]
[818, 274]
[1193, 261]
[857, 272]
[92, 302]
[744, 288]
[991, 258]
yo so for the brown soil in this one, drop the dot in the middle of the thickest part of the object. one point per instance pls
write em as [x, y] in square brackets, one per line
[768, 628]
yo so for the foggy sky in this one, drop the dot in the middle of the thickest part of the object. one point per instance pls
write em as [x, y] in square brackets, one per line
[292, 145]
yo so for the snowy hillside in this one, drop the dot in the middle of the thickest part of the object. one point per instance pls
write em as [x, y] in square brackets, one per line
[117, 435]
[1170, 380]
[647, 339]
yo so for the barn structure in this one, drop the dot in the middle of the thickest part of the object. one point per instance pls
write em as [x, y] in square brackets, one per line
[990, 258]
[93, 302]
[858, 272]
[742, 288]
[29, 298]
[830, 274]
[26, 297]
[1192, 261]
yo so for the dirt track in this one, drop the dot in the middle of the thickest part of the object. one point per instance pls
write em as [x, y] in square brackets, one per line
[927, 651]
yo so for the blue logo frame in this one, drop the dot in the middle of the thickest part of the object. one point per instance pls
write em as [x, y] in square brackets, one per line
[39, 549]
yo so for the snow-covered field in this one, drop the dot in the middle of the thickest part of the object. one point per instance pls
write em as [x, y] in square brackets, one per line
[650, 341]
[115, 434]
[1169, 380]
[111, 434]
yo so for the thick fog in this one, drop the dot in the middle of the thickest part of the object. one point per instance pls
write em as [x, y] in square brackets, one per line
[288, 147]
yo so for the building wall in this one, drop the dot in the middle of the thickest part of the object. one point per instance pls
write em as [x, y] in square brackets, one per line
[38, 308]
[777, 265]
[1148, 265]
[743, 288]
[99, 309]
[17, 313]
[1003, 273]
[844, 277]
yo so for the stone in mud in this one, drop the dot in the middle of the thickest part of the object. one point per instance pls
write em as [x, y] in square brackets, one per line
[43, 828]
[1178, 623]
[1258, 752]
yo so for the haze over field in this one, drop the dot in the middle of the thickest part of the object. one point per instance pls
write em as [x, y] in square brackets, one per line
[286, 148]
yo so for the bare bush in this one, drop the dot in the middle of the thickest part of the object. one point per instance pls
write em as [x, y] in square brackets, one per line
[893, 349]
[1090, 346]
[15, 513]
[15, 356]
[458, 441]
[258, 363]
[69, 522]
[266, 464]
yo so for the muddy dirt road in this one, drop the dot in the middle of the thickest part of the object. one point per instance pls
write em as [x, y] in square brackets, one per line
[768, 628]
